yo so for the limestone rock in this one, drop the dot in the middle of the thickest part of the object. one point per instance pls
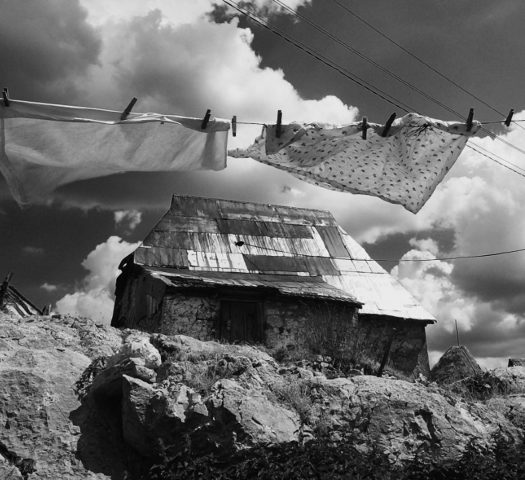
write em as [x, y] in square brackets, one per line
[250, 417]
[137, 345]
[512, 377]
[153, 418]
[455, 364]
[40, 360]
[402, 418]
[151, 394]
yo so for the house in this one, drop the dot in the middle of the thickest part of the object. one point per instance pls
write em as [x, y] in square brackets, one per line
[289, 278]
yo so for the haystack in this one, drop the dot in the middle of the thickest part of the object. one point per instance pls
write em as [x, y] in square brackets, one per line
[455, 364]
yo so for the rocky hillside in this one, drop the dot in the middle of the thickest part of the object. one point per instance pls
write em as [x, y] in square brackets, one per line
[85, 401]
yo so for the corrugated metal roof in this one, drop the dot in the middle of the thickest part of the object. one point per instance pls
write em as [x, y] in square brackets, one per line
[202, 236]
[312, 287]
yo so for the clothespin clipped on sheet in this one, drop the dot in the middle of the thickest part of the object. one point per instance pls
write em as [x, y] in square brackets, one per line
[364, 128]
[278, 126]
[128, 109]
[388, 124]
[509, 118]
[469, 119]
[5, 95]
[234, 125]
[206, 119]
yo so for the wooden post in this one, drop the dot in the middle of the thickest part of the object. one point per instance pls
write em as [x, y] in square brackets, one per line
[457, 332]
[386, 354]
[4, 287]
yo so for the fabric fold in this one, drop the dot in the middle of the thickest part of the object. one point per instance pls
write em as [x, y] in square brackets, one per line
[404, 167]
[44, 146]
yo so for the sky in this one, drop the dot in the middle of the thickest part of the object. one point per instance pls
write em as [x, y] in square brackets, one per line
[185, 56]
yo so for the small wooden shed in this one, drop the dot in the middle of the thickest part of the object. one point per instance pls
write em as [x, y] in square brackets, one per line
[289, 278]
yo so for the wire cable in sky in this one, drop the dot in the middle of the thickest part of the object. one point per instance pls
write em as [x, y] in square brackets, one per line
[361, 55]
[390, 73]
[419, 59]
[396, 260]
[359, 81]
[351, 76]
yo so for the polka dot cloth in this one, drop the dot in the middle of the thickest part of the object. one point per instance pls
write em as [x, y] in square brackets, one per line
[405, 167]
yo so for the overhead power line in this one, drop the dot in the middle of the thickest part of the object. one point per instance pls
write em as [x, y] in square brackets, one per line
[361, 82]
[350, 76]
[419, 59]
[390, 73]
[397, 260]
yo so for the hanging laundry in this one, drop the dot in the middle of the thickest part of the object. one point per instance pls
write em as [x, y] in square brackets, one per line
[44, 146]
[404, 167]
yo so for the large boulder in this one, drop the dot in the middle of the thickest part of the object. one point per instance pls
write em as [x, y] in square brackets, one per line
[146, 397]
[41, 358]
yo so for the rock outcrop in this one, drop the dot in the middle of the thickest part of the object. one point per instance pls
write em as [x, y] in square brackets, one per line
[81, 401]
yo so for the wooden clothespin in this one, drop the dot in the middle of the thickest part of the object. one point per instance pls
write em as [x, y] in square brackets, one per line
[5, 95]
[206, 119]
[278, 126]
[469, 119]
[509, 118]
[128, 109]
[234, 125]
[388, 124]
[364, 128]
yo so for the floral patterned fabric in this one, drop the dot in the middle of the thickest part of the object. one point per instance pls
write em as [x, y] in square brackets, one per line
[404, 167]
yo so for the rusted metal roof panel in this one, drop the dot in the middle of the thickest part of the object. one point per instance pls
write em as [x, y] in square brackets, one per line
[303, 216]
[161, 257]
[216, 261]
[179, 223]
[262, 228]
[381, 294]
[311, 265]
[245, 211]
[314, 287]
[194, 207]
[333, 241]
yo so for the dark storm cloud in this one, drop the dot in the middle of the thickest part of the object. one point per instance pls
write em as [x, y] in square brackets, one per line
[495, 334]
[44, 45]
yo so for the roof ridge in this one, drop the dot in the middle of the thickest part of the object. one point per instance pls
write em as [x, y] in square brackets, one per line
[244, 202]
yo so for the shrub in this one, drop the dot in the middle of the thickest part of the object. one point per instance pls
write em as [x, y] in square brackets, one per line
[481, 386]
[297, 394]
[323, 459]
[83, 384]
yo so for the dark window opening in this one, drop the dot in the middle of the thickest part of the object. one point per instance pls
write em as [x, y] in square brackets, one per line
[241, 322]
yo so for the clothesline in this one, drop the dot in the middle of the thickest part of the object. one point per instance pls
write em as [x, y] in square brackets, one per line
[265, 124]
[366, 85]
[46, 146]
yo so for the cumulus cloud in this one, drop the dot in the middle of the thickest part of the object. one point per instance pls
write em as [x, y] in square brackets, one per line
[95, 296]
[128, 219]
[49, 287]
[204, 65]
[492, 333]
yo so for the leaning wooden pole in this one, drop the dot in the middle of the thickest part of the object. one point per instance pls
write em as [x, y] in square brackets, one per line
[4, 287]
[386, 354]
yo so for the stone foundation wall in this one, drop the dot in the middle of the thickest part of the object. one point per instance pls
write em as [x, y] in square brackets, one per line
[193, 315]
[294, 328]
[408, 351]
